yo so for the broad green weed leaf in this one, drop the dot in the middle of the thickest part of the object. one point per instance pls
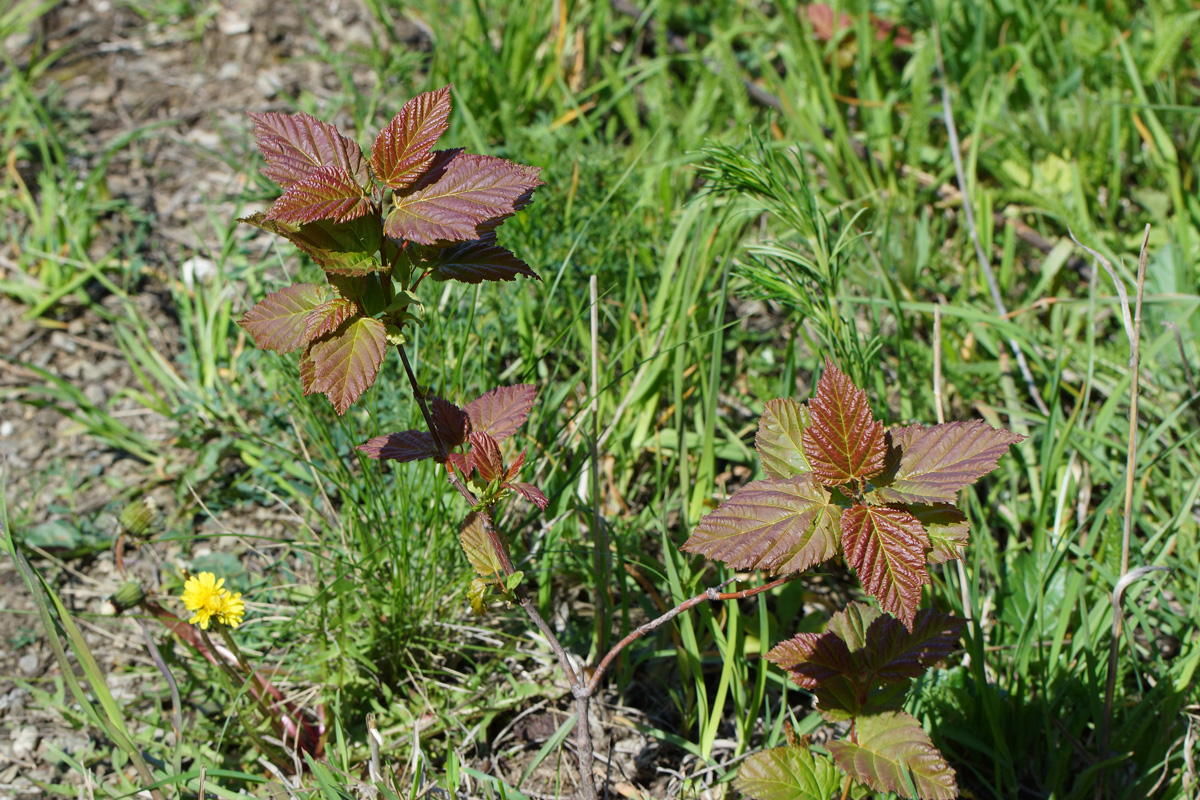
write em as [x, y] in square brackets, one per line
[346, 362]
[892, 744]
[475, 192]
[886, 546]
[779, 525]
[787, 773]
[780, 438]
[278, 321]
[325, 193]
[477, 261]
[500, 412]
[295, 145]
[936, 462]
[403, 150]
[328, 317]
[842, 441]
[478, 547]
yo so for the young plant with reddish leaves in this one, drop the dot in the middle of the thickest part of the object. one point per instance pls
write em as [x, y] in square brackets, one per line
[378, 227]
[837, 485]
[840, 485]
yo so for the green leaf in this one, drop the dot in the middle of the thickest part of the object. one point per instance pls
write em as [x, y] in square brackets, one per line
[891, 750]
[947, 529]
[344, 364]
[886, 546]
[478, 546]
[514, 580]
[842, 441]
[934, 463]
[787, 773]
[348, 248]
[779, 525]
[780, 438]
[278, 322]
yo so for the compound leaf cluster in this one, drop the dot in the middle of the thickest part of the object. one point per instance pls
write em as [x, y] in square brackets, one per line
[377, 225]
[837, 482]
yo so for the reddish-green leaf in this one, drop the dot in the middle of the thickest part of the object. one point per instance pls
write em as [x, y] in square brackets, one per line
[779, 525]
[514, 469]
[886, 546]
[852, 623]
[936, 462]
[814, 658]
[402, 150]
[402, 446]
[485, 455]
[478, 546]
[474, 191]
[842, 441]
[788, 773]
[295, 145]
[308, 372]
[324, 193]
[947, 529]
[892, 744]
[531, 493]
[349, 248]
[347, 361]
[477, 261]
[897, 654]
[500, 412]
[450, 421]
[328, 317]
[780, 438]
[277, 323]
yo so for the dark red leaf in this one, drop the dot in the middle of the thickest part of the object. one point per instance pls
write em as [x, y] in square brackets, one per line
[778, 525]
[462, 462]
[936, 462]
[295, 145]
[842, 442]
[531, 493]
[811, 659]
[347, 361]
[897, 654]
[402, 446]
[514, 469]
[485, 454]
[886, 546]
[475, 190]
[278, 322]
[450, 421]
[780, 438]
[477, 261]
[888, 746]
[402, 150]
[324, 193]
[500, 412]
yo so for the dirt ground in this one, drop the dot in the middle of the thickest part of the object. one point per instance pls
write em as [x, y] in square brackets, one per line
[119, 71]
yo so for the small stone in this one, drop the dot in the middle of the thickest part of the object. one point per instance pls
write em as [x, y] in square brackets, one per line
[231, 23]
[29, 664]
[197, 270]
[24, 741]
[6, 428]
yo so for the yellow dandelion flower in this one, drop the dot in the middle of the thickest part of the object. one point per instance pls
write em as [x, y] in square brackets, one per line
[232, 609]
[203, 594]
